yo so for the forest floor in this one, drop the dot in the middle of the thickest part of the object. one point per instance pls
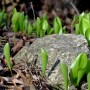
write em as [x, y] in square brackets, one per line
[29, 78]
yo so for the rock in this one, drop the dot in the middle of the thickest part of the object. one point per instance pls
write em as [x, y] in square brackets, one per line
[60, 48]
[84, 86]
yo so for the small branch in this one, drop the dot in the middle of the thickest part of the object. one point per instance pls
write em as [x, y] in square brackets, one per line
[32, 10]
[74, 7]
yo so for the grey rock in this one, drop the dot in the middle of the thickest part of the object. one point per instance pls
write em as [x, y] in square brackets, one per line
[84, 86]
[60, 48]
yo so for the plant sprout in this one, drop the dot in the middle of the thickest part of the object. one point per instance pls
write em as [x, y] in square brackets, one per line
[64, 70]
[44, 58]
[7, 56]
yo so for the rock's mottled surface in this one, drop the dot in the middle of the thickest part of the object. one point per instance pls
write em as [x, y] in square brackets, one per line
[60, 48]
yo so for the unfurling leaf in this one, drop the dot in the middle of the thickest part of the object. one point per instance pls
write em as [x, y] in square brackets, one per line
[57, 25]
[7, 55]
[87, 36]
[88, 80]
[78, 68]
[21, 19]
[64, 70]
[44, 58]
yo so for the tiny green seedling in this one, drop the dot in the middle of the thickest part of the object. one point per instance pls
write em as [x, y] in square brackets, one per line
[64, 70]
[38, 26]
[15, 22]
[88, 80]
[44, 27]
[87, 36]
[83, 26]
[58, 29]
[78, 68]
[7, 56]
[21, 19]
[57, 25]
[3, 19]
[20, 23]
[88, 74]
[44, 58]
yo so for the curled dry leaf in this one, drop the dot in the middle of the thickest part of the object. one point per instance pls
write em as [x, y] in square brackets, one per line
[18, 46]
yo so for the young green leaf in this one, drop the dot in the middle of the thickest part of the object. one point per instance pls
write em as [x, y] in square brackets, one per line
[42, 34]
[16, 26]
[83, 61]
[34, 25]
[77, 29]
[44, 58]
[82, 15]
[38, 26]
[78, 68]
[64, 29]
[15, 21]
[64, 70]
[1, 17]
[88, 80]
[57, 25]
[87, 36]
[50, 31]
[29, 29]
[45, 25]
[7, 55]
[84, 25]
[21, 19]
[25, 23]
[5, 17]
[15, 17]
[87, 16]
[88, 67]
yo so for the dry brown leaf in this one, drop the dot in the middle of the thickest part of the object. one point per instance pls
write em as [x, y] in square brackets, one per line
[27, 80]
[18, 46]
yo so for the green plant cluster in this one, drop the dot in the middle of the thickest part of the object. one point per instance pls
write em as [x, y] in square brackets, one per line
[20, 23]
[78, 69]
[40, 26]
[43, 28]
[83, 25]
[3, 19]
